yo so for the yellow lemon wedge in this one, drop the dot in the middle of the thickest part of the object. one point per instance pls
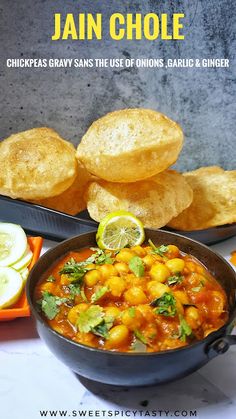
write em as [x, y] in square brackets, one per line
[13, 243]
[120, 229]
[11, 285]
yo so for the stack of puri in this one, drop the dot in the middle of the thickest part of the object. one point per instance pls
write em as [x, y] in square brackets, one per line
[130, 152]
[38, 165]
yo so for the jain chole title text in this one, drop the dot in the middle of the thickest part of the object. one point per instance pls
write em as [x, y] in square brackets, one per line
[130, 26]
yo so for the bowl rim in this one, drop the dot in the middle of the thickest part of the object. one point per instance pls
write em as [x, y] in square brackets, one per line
[205, 341]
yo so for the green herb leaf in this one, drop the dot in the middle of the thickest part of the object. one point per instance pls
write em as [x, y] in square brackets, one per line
[166, 305]
[50, 303]
[185, 329]
[175, 279]
[140, 336]
[158, 250]
[75, 270]
[138, 346]
[90, 319]
[136, 266]
[99, 294]
[50, 279]
[83, 294]
[100, 257]
[131, 311]
[103, 328]
[197, 289]
[74, 289]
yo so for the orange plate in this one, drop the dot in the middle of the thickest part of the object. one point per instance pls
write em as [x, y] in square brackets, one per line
[21, 308]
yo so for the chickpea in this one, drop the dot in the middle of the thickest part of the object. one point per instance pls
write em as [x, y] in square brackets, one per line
[92, 277]
[107, 270]
[75, 311]
[47, 286]
[125, 255]
[179, 306]
[112, 312]
[182, 297]
[173, 251]
[135, 296]
[91, 266]
[116, 285]
[157, 289]
[65, 279]
[159, 272]
[175, 265]
[139, 250]
[193, 317]
[121, 267]
[86, 339]
[132, 318]
[149, 260]
[118, 336]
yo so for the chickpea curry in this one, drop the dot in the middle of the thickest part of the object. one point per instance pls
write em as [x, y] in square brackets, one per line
[139, 299]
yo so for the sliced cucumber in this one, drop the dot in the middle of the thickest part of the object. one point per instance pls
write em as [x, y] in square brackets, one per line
[24, 274]
[24, 261]
[11, 285]
[13, 243]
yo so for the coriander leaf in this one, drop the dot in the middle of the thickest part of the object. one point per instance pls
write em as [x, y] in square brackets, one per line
[136, 266]
[138, 346]
[50, 303]
[131, 311]
[166, 305]
[74, 289]
[197, 289]
[98, 294]
[158, 250]
[83, 295]
[50, 279]
[103, 328]
[90, 318]
[175, 279]
[100, 257]
[75, 270]
[184, 328]
[140, 336]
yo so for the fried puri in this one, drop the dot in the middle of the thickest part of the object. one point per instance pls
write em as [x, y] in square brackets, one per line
[154, 201]
[36, 164]
[72, 200]
[130, 145]
[214, 199]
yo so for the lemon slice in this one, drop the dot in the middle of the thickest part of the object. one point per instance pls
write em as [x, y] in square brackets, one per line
[11, 285]
[13, 243]
[119, 229]
[24, 274]
[24, 261]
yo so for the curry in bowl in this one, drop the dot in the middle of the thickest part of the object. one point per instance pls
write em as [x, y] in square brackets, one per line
[141, 299]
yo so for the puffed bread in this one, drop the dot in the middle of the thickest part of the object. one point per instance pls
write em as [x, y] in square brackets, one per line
[130, 145]
[214, 199]
[154, 201]
[36, 164]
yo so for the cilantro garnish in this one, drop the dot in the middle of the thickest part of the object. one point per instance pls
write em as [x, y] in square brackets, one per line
[98, 294]
[197, 289]
[175, 279]
[184, 329]
[49, 304]
[158, 250]
[90, 319]
[136, 266]
[100, 257]
[103, 328]
[50, 279]
[75, 270]
[74, 289]
[131, 311]
[140, 336]
[166, 305]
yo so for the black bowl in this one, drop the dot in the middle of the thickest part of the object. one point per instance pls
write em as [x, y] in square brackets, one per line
[128, 369]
